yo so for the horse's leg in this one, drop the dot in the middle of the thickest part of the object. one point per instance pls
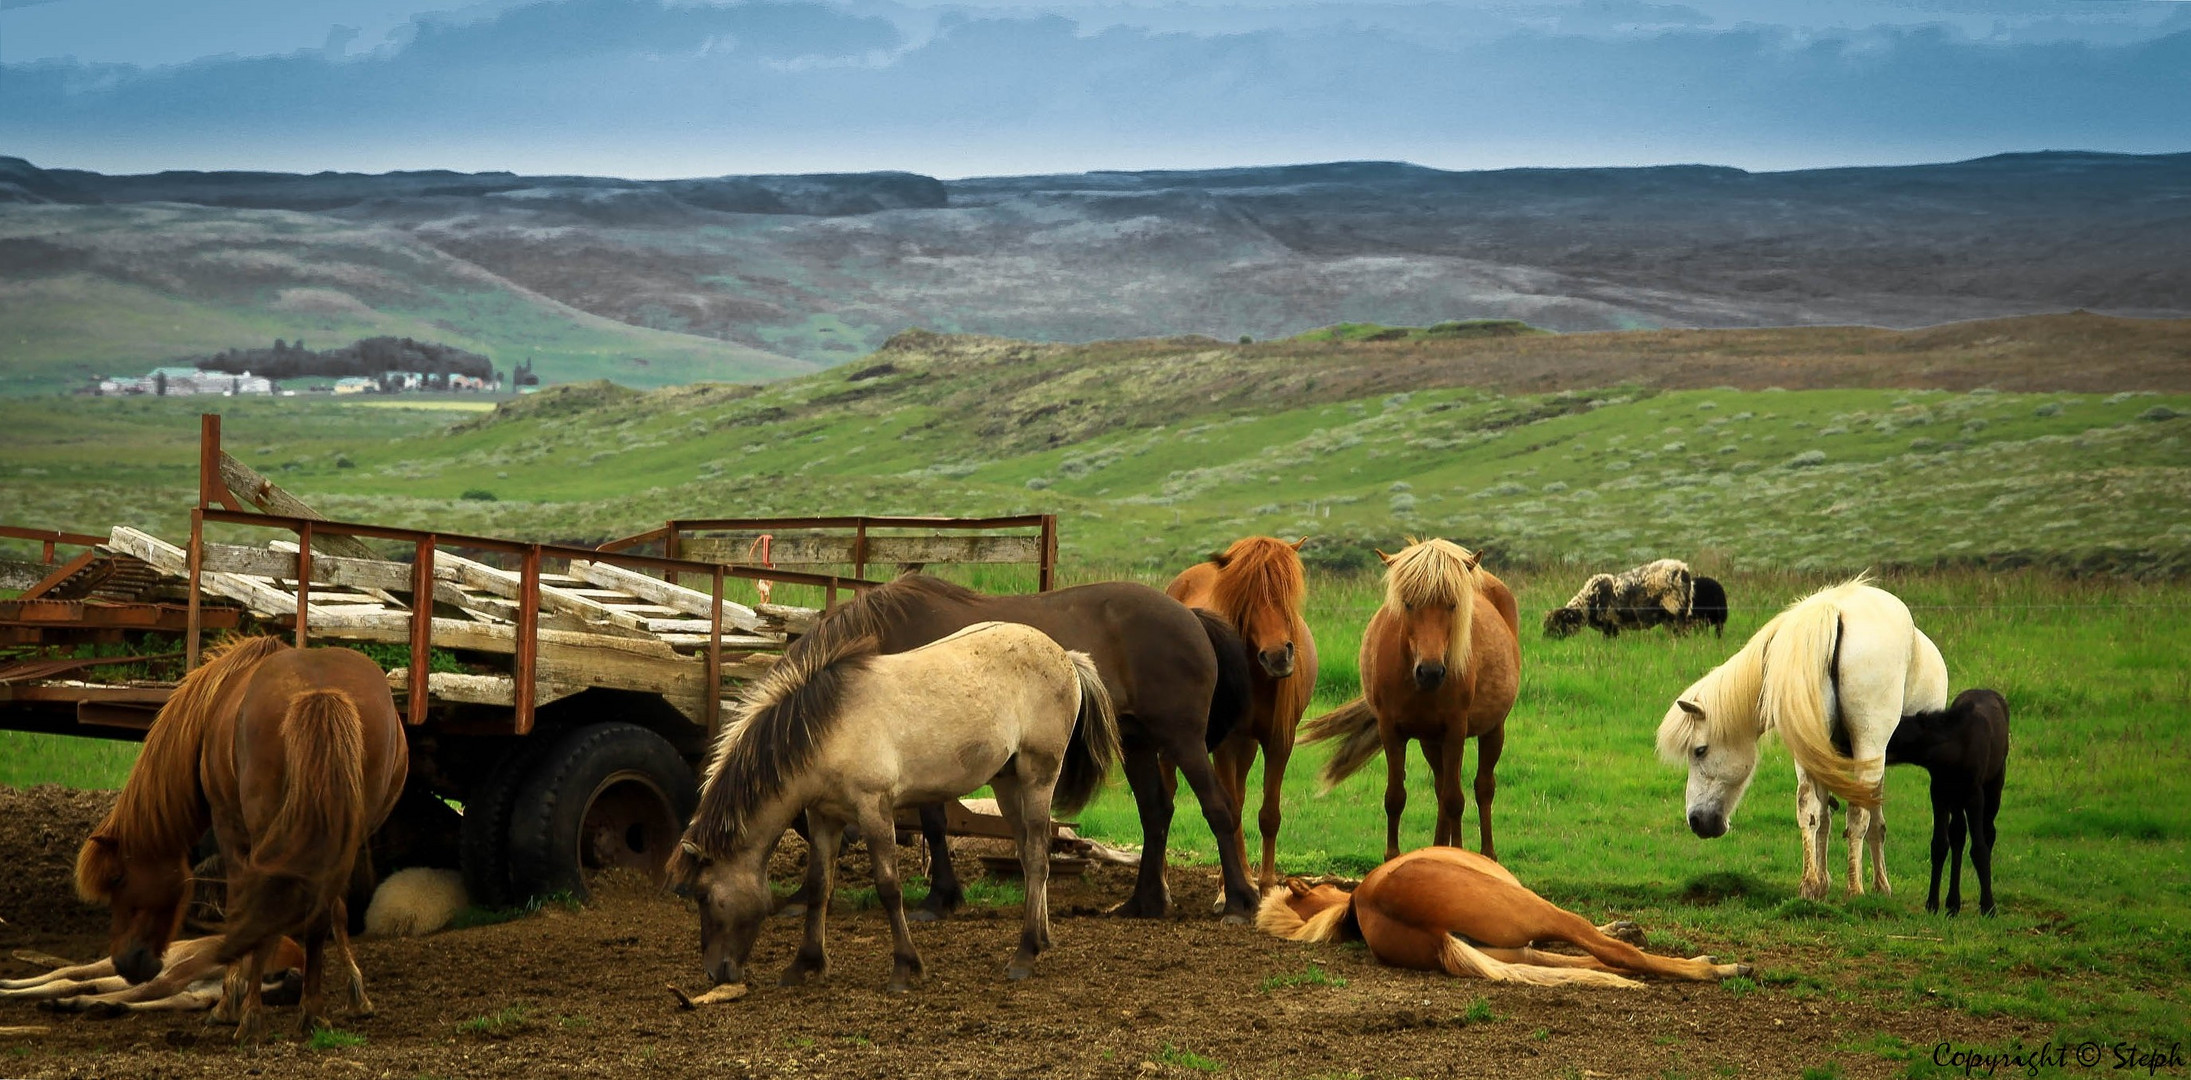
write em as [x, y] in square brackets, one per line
[230, 1009]
[360, 1005]
[905, 960]
[1856, 826]
[801, 898]
[1151, 898]
[824, 835]
[1489, 746]
[1444, 756]
[1029, 816]
[1981, 855]
[1275, 755]
[1958, 825]
[251, 1016]
[1875, 839]
[1564, 925]
[1812, 820]
[312, 1006]
[1942, 810]
[1231, 761]
[945, 894]
[1195, 767]
[1395, 792]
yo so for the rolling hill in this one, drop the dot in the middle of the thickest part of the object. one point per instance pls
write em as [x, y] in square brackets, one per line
[2058, 440]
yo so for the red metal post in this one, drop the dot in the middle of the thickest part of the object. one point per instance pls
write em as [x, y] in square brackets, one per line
[209, 458]
[528, 636]
[196, 555]
[1047, 579]
[712, 707]
[304, 578]
[422, 626]
[859, 551]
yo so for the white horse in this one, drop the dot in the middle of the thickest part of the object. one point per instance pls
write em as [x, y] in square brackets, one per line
[189, 981]
[844, 734]
[1842, 665]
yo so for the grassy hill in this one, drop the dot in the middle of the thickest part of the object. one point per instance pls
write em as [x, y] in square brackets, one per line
[2057, 440]
[114, 290]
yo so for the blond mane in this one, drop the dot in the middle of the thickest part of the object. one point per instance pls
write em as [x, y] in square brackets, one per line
[1259, 582]
[1437, 573]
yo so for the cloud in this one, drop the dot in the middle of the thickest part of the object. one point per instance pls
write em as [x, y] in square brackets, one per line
[699, 88]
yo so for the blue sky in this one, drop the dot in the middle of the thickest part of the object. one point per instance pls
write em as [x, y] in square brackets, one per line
[646, 88]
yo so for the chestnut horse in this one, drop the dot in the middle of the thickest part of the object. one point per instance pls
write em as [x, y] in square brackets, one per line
[1257, 584]
[1449, 909]
[292, 756]
[1441, 662]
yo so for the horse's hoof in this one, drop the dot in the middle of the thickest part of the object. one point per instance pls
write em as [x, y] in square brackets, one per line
[1140, 909]
[898, 986]
[1234, 919]
[1625, 930]
[923, 915]
[1742, 970]
[1018, 972]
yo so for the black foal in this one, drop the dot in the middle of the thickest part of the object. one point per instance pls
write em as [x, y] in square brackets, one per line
[1965, 748]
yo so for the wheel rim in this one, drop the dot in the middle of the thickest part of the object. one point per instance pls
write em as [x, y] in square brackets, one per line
[628, 825]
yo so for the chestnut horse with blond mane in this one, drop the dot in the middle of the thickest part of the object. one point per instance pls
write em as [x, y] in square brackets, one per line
[1452, 910]
[293, 757]
[1257, 584]
[1441, 663]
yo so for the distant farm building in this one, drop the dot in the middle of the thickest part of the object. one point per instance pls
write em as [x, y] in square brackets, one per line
[183, 382]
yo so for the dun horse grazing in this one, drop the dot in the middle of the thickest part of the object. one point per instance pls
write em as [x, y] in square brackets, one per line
[1449, 909]
[846, 735]
[293, 756]
[1441, 663]
[1844, 664]
[1178, 678]
[1257, 584]
[189, 980]
[1966, 750]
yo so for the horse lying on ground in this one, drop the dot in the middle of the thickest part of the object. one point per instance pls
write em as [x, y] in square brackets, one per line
[1965, 748]
[189, 981]
[1449, 909]
[1639, 598]
[1845, 663]
[846, 735]
[415, 902]
[293, 756]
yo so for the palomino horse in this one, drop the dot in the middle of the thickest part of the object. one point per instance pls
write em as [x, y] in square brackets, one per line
[1441, 663]
[1178, 678]
[1843, 664]
[293, 756]
[1258, 586]
[847, 735]
[1449, 909]
[189, 980]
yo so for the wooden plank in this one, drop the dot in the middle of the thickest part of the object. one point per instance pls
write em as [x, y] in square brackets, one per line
[676, 597]
[794, 620]
[690, 640]
[737, 549]
[701, 626]
[271, 499]
[478, 575]
[466, 689]
[263, 599]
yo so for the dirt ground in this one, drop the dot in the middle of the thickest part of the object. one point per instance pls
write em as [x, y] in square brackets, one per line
[584, 992]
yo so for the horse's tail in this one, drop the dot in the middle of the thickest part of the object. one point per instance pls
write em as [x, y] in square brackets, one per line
[1355, 726]
[322, 812]
[1277, 917]
[1094, 748]
[1460, 959]
[1800, 665]
[1235, 692]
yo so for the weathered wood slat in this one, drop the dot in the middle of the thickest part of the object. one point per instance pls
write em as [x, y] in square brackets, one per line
[795, 620]
[269, 497]
[507, 584]
[820, 550]
[700, 626]
[259, 596]
[579, 659]
[676, 597]
[689, 641]
[478, 689]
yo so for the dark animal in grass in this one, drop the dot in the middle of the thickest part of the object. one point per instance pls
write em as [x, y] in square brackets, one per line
[1707, 606]
[1639, 598]
[1965, 748]
[1179, 679]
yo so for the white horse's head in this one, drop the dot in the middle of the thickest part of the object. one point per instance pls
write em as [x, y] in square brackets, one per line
[1711, 731]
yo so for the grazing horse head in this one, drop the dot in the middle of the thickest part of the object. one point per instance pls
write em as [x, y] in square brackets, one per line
[733, 901]
[1431, 585]
[1260, 587]
[146, 890]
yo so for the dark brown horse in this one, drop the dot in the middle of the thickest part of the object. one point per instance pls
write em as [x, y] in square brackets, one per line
[1441, 664]
[1177, 678]
[292, 756]
[1257, 584]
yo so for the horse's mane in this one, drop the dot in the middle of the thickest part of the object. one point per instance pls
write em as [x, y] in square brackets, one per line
[780, 721]
[1258, 578]
[1276, 917]
[873, 613]
[161, 808]
[1762, 687]
[1437, 572]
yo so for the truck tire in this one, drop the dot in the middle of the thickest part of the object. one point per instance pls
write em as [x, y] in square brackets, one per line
[484, 844]
[606, 796]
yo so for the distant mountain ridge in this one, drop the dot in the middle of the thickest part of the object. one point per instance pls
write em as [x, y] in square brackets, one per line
[808, 271]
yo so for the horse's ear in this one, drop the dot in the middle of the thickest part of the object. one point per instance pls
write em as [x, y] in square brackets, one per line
[1220, 560]
[1297, 887]
[1474, 557]
[1381, 555]
[1296, 545]
[1690, 707]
